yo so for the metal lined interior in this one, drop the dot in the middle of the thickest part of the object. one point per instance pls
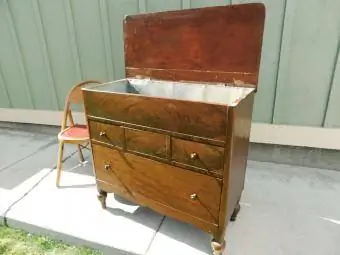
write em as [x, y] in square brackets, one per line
[210, 93]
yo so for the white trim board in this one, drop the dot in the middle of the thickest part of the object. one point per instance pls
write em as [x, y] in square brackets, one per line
[52, 118]
[314, 137]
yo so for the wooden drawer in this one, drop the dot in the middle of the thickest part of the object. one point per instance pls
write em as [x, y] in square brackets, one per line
[186, 191]
[199, 155]
[107, 133]
[104, 164]
[145, 142]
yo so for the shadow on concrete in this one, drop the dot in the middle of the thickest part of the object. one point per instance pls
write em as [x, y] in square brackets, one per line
[77, 186]
[190, 237]
[137, 216]
[174, 229]
[25, 153]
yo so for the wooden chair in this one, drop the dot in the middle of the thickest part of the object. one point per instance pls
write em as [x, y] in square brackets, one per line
[72, 133]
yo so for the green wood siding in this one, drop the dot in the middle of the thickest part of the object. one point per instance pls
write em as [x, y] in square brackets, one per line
[309, 47]
[204, 3]
[332, 116]
[46, 46]
[264, 100]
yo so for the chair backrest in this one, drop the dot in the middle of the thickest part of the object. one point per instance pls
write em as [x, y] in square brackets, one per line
[75, 96]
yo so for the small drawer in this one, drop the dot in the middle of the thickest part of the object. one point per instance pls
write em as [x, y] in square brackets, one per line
[199, 155]
[107, 133]
[145, 142]
[104, 164]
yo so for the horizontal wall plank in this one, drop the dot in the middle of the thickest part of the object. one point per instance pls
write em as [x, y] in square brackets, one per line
[89, 38]
[332, 117]
[142, 6]
[157, 5]
[45, 54]
[30, 46]
[58, 39]
[107, 39]
[116, 11]
[12, 66]
[186, 4]
[265, 96]
[310, 41]
[4, 96]
[205, 3]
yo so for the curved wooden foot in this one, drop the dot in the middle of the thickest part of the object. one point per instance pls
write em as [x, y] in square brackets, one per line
[217, 248]
[235, 212]
[102, 195]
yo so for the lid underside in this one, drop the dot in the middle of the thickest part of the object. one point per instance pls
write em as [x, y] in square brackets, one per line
[212, 44]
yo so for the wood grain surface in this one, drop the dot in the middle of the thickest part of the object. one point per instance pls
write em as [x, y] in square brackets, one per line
[107, 133]
[236, 153]
[193, 118]
[145, 142]
[203, 156]
[168, 160]
[192, 43]
[165, 184]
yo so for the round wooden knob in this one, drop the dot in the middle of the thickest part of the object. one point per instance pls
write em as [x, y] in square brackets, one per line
[107, 167]
[193, 196]
[102, 134]
[194, 155]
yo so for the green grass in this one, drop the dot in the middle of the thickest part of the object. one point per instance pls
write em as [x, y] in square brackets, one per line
[17, 242]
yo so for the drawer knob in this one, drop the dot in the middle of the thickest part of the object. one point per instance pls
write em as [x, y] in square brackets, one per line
[193, 196]
[194, 155]
[107, 167]
[102, 133]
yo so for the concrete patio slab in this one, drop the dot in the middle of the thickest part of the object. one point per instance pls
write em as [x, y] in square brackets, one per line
[72, 213]
[268, 229]
[17, 145]
[23, 155]
[175, 237]
[9, 197]
[304, 189]
[285, 210]
[13, 176]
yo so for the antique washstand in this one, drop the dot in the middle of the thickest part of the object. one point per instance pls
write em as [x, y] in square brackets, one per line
[174, 135]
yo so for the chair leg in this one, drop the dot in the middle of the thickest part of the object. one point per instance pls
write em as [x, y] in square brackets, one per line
[60, 161]
[81, 156]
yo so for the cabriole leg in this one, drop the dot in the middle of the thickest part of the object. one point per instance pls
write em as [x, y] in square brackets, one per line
[102, 195]
[217, 248]
[235, 212]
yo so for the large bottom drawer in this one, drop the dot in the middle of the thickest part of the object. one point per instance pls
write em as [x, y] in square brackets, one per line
[186, 191]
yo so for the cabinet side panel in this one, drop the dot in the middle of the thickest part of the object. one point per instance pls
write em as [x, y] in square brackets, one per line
[236, 153]
[240, 145]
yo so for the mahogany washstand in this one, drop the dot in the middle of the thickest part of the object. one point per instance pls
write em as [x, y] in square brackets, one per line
[174, 134]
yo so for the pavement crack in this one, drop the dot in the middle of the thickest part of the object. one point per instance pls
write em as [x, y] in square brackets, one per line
[33, 187]
[154, 236]
[45, 146]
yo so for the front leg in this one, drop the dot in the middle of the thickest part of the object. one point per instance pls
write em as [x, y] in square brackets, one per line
[217, 248]
[102, 195]
[235, 212]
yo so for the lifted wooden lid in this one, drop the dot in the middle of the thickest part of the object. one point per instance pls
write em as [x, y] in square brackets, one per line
[212, 44]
